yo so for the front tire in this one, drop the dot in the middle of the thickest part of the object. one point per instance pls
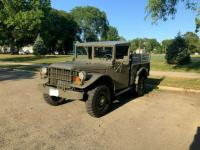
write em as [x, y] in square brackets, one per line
[99, 100]
[52, 100]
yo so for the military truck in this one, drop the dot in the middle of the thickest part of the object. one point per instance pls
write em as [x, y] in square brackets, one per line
[99, 72]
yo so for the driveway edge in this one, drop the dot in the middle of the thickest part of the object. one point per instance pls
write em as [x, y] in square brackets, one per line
[173, 88]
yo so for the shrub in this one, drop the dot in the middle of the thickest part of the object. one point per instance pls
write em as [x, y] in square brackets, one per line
[39, 47]
[177, 52]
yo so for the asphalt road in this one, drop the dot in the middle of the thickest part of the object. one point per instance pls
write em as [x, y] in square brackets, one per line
[161, 120]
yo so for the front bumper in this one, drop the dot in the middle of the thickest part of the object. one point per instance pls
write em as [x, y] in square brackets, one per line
[67, 94]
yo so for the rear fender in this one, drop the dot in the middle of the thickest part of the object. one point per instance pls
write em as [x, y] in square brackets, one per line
[142, 71]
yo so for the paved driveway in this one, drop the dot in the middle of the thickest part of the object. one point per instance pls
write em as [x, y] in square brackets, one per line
[160, 120]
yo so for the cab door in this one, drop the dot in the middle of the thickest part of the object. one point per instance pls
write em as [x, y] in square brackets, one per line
[121, 67]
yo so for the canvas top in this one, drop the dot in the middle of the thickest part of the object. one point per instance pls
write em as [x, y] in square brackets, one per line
[103, 43]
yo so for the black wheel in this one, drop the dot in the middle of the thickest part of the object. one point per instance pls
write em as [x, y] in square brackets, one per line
[140, 87]
[99, 100]
[52, 100]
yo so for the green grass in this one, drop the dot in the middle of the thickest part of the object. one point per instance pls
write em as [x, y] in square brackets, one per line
[175, 82]
[158, 63]
[35, 59]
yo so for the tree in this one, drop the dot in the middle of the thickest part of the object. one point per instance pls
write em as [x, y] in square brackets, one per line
[112, 34]
[59, 31]
[197, 20]
[177, 52]
[137, 43]
[92, 22]
[192, 40]
[161, 9]
[152, 45]
[20, 20]
[39, 47]
[121, 38]
[165, 44]
[149, 44]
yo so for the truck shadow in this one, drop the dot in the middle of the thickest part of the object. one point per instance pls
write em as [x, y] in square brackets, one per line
[196, 141]
[130, 96]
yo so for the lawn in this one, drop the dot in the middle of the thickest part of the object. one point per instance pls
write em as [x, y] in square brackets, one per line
[158, 63]
[175, 82]
[35, 59]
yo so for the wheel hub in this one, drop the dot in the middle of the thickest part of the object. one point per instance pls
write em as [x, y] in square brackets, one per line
[102, 100]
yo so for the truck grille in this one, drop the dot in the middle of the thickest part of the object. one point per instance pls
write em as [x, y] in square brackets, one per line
[60, 78]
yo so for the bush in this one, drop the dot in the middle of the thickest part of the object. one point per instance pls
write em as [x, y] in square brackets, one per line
[177, 52]
[39, 47]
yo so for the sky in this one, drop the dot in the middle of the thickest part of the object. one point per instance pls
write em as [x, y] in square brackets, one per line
[128, 16]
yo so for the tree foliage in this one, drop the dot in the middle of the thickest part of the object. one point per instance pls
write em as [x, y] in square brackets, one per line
[177, 52]
[59, 31]
[20, 20]
[161, 9]
[92, 22]
[151, 45]
[121, 38]
[192, 40]
[165, 44]
[112, 34]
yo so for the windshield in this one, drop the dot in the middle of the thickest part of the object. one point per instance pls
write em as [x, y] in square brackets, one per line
[103, 52]
[84, 52]
[99, 52]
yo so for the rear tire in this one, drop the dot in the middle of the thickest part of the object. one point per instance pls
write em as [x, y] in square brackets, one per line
[99, 100]
[52, 100]
[140, 87]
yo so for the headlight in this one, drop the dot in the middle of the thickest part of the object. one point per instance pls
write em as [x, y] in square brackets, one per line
[82, 75]
[43, 72]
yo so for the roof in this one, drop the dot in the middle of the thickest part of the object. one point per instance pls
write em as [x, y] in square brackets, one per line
[103, 43]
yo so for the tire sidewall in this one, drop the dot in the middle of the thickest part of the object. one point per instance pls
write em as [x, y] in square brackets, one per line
[141, 86]
[93, 99]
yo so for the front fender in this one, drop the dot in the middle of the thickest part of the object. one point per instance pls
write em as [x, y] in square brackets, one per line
[94, 77]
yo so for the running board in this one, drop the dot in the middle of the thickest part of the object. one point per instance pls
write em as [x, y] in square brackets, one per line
[123, 91]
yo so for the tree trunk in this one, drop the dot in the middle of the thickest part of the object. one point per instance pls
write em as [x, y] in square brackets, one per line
[12, 46]
[17, 52]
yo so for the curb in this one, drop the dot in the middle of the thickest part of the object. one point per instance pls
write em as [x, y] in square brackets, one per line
[168, 88]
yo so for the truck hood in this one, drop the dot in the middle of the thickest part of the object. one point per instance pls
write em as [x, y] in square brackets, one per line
[82, 66]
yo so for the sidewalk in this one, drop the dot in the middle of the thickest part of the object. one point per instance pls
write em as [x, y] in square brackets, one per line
[169, 88]
[176, 74]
